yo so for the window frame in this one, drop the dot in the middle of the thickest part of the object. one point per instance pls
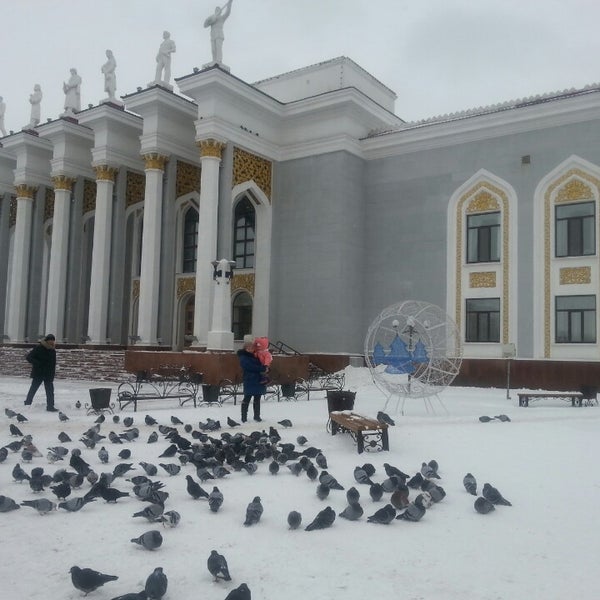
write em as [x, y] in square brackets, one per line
[571, 223]
[481, 240]
[189, 265]
[480, 324]
[571, 316]
[244, 243]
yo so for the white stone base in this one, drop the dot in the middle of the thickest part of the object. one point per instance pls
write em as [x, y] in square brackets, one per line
[113, 101]
[216, 64]
[162, 84]
[220, 340]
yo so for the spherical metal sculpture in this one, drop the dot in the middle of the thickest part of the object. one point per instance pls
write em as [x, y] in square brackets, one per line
[413, 350]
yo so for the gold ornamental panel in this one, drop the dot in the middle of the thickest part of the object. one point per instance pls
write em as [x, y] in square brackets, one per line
[12, 212]
[249, 167]
[89, 196]
[185, 285]
[486, 279]
[211, 147]
[482, 202]
[63, 182]
[105, 173]
[243, 281]
[135, 188]
[575, 275]
[25, 191]
[188, 179]
[154, 160]
[135, 289]
[48, 204]
[574, 189]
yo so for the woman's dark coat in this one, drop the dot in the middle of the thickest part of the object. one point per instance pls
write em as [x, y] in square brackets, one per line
[253, 373]
[43, 361]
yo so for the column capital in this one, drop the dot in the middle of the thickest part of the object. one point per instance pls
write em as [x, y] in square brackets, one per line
[25, 191]
[105, 173]
[63, 182]
[154, 160]
[211, 147]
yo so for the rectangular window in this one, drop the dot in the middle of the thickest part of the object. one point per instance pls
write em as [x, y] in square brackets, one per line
[483, 320]
[483, 237]
[575, 229]
[575, 319]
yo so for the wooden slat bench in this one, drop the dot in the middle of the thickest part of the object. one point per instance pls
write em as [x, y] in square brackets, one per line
[576, 398]
[367, 433]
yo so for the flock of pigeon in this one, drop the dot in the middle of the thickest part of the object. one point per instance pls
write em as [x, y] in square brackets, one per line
[210, 453]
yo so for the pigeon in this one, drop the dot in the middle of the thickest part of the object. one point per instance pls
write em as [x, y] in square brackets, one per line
[21, 418]
[352, 495]
[330, 481]
[321, 460]
[100, 419]
[324, 519]
[75, 504]
[103, 455]
[232, 423]
[483, 506]
[88, 580]
[285, 423]
[428, 472]
[151, 540]
[485, 419]
[150, 420]
[152, 438]
[19, 474]
[62, 417]
[385, 418]
[14, 446]
[114, 438]
[78, 404]
[295, 468]
[414, 511]
[390, 471]
[369, 469]
[3, 454]
[301, 440]
[128, 421]
[470, 484]
[133, 596]
[150, 469]
[217, 566]
[274, 467]
[376, 492]
[176, 420]
[492, 494]
[170, 468]
[424, 500]
[14, 430]
[254, 511]
[7, 504]
[399, 498]
[116, 419]
[242, 592]
[503, 418]
[312, 472]
[294, 519]
[62, 491]
[156, 584]
[111, 494]
[415, 481]
[125, 454]
[391, 484]
[169, 452]
[360, 475]
[434, 466]
[215, 499]
[52, 457]
[171, 518]
[194, 489]
[42, 505]
[322, 491]
[384, 515]
[152, 512]
[10, 413]
[437, 493]
[121, 469]
[352, 512]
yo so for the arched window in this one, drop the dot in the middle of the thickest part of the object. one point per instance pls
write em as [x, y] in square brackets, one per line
[190, 240]
[243, 234]
[242, 315]
[188, 321]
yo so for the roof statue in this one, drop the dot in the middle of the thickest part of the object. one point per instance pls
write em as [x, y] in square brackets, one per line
[110, 77]
[215, 22]
[72, 90]
[163, 60]
[35, 99]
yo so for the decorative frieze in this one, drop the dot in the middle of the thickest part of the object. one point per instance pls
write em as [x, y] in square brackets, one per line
[25, 191]
[185, 285]
[243, 281]
[211, 147]
[134, 188]
[154, 160]
[482, 202]
[484, 279]
[89, 196]
[63, 182]
[575, 275]
[105, 173]
[249, 167]
[188, 179]
[573, 190]
[48, 204]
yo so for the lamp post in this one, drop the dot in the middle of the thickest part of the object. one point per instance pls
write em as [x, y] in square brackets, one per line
[508, 352]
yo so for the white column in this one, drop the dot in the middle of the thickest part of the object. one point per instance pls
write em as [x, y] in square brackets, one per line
[210, 158]
[17, 301]
[151, 239]
[57, 272]
[100, 275]
[220, 337]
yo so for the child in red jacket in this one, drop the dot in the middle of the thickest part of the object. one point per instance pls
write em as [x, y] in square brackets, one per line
[261, 351]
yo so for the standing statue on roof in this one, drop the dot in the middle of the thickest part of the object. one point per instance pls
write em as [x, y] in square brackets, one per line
[163, 59]
[35, 100]
[110, 77]
[72, 90]
[215, 22]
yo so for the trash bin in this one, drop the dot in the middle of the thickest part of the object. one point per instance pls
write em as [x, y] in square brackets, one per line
[340, 400]
[100, 398]
[210, 393]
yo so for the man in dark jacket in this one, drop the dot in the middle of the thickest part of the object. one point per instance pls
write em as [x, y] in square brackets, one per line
[43, 368]
[253, 375]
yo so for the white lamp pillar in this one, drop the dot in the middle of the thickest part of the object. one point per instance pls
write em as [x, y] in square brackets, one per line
[211, 151]
[220, 337]
[100, 275]
[17, 300]
[151, 240]
[57, 271]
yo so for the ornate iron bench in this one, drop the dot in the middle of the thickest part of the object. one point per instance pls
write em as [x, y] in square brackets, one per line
[368, 434]
[575, 398]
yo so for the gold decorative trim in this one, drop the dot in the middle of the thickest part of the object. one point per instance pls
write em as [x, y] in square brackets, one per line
[486, 279]
[185, 285]
[482, 189]
[48, 203]
[211, 147]
[12, 212]
[187, 180]
[249, 167]
[89, 196]
[243, 281]
[135, 289]
[482, 202]
[573, 190]
[105, 173]
[135, 187]
[552, 192]
[25, 191]
[575, 275]
[63, 182]
[155, 161]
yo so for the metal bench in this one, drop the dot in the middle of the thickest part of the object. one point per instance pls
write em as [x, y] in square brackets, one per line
[368, 434]
[575, 398]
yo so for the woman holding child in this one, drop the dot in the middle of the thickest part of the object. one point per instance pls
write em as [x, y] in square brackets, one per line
[254, 378]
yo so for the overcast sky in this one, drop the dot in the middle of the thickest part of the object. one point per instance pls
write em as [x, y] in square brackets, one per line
[439, 56]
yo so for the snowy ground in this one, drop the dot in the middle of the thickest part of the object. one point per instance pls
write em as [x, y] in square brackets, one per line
[545, 461]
